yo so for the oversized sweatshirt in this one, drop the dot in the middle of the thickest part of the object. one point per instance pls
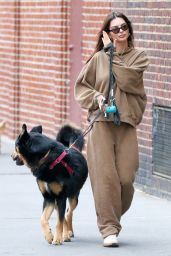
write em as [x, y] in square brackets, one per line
[130, 96]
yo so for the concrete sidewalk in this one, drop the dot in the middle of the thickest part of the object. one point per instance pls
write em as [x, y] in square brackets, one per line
[146, 226]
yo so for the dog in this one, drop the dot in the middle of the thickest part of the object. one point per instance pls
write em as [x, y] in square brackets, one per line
[60, 170]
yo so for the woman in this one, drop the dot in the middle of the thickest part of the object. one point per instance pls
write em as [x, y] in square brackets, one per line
[112, 150]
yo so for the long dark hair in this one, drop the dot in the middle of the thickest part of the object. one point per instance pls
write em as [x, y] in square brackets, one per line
[105, 27]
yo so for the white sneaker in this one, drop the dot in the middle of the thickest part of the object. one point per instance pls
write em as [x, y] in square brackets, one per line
[110, 241]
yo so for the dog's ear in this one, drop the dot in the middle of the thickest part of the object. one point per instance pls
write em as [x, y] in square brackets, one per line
[24, 128]
[24, 134]
[37, 129]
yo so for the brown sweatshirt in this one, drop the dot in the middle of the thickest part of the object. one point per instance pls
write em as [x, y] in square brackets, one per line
[128, 69]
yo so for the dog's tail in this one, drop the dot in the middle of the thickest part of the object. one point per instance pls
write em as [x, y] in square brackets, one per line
[69, 134]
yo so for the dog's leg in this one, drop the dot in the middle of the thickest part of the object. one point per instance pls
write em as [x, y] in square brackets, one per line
[60, 207]
[57, 240]
[72, 205]
[66, 236]
[47, 212]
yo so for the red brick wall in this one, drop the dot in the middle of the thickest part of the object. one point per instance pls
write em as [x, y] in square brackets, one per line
[7, 61]
[34, 63]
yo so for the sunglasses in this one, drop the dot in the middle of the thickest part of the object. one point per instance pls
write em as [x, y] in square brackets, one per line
[117, 29]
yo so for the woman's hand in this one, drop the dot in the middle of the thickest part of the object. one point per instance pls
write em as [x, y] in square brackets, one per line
[105, 38]
[100, 100]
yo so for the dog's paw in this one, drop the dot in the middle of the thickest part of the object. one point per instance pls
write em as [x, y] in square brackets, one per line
[49, 237]
[70, 233]
[67, 239]
[57, 241]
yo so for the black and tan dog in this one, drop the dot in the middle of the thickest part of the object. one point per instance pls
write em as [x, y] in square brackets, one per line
[60, 172]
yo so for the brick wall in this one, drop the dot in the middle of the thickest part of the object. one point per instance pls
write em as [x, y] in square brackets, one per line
[35, 65]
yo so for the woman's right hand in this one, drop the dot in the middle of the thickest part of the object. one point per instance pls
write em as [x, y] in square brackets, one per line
[100, 100]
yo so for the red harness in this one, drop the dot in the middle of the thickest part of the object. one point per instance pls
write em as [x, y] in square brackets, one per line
[59, 159]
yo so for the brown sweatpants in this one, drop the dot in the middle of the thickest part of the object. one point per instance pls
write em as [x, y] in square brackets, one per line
[112, 155]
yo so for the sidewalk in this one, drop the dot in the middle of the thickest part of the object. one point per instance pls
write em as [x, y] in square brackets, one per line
[146, 226]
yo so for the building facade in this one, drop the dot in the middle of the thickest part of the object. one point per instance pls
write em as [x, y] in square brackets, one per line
[43, 45]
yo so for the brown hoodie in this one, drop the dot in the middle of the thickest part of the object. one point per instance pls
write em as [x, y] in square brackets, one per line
[128, 69]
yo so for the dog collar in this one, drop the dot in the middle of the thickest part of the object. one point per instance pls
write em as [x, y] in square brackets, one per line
[59, 159]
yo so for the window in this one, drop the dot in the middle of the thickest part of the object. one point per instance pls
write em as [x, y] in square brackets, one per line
[162, 141]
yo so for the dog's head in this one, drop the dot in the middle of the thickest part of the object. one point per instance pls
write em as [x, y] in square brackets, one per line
[31, 147]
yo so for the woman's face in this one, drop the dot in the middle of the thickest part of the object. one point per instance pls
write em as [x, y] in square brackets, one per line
[118, 30]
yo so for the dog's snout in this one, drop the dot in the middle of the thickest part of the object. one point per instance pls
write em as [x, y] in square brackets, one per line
[17, 158]
[14, 155]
